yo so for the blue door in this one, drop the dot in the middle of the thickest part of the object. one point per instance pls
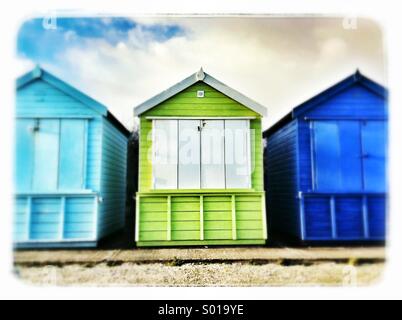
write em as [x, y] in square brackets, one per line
[72, 155]
[327, 156]
[46, 159]
[24, 154]
[374, 142]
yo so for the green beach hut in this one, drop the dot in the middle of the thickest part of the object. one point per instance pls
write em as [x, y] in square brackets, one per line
[200, 167]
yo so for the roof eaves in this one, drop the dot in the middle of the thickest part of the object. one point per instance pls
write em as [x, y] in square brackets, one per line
[168, 93]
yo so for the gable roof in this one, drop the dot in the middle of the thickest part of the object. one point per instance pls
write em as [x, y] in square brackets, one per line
[39, 73]
[356, 78]
[200, 76]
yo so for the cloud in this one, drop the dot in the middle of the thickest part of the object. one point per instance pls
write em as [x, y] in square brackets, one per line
[278, 62]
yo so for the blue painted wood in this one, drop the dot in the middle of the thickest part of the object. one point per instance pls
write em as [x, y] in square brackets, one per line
[340, 161]
[281, 176]
[374, 145]
[72, 154]
[24, 154]
[68, 156]
[46, 155]
[354, 102]
[377, 217]
[113, 180]
[349, 218]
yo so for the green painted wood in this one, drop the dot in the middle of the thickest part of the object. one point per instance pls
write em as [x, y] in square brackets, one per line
[200, 217]
[209, 106]
[187, 218]
[254, 242]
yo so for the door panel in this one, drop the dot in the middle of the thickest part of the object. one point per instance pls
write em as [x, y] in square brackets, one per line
[327, 156]
[238, 154]
[72, 154]
[213, 155]
[374, 141]
[165, 154]
[46, 160]
[24, 154]
[189, 154]
[351, 163]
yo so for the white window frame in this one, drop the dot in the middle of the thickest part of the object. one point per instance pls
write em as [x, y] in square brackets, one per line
[249, 150]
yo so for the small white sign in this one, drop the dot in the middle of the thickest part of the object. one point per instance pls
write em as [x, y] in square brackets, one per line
[201, 94]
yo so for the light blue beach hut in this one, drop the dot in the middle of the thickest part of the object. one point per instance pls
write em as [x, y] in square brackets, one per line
[70, 166]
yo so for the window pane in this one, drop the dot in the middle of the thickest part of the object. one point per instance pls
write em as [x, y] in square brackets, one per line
[72, 154]
[327, 156]
[46, 161]
[189, 154]
[165, 154]
[351, 160]
[213, 155]
[24, 154]
[237, 149]
[374, 136]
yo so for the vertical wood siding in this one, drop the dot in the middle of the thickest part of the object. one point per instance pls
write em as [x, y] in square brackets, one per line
[113, 180]
[282, 180]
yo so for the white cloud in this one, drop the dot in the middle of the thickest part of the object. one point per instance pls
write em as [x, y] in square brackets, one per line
[277, 62]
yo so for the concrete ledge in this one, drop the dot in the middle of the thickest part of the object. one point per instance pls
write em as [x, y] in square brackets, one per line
[198, 255]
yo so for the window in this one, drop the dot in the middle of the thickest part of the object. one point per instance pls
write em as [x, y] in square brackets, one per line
[50, 154]
[349, 155]
[201, 154]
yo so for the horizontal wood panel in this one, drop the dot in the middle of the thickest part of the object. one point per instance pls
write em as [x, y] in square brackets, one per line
[153, 236]
[218, 225]
[185, 235]
[186, 225]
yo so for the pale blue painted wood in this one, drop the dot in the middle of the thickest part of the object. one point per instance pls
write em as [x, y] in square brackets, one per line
[40, 99]
[45, 219]
[24, 154]
[46, 155]
[60, 165]
[79, 218]
[73, 154]
[94, 155]
[114, 180]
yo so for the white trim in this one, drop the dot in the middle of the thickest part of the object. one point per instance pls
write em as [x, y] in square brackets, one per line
[193, 79]
[250, 154]
[137, 218]
[28, 212]
[96, 220]
[57, 193]
[153, 156]
[62, 218]
[200, 118]
[264, 216]
[56, 241]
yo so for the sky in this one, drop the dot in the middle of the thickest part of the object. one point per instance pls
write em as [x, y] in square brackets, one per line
[278, 62]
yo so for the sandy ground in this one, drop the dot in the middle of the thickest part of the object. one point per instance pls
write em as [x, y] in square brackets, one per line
[202, 274]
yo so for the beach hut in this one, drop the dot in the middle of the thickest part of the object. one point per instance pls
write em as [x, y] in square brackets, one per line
[326, 165]
[200, 167]
[70, 166]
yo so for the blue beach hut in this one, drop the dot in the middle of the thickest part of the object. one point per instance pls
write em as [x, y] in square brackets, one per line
[326, 165]
[70, 166]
